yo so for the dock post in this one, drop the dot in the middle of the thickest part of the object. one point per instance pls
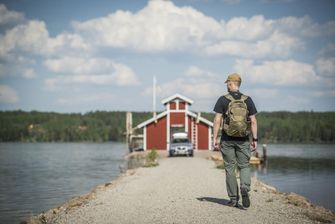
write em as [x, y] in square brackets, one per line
[129, 130]
[264, 151]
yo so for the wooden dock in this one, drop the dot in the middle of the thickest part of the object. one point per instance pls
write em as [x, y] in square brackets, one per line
[255, 159]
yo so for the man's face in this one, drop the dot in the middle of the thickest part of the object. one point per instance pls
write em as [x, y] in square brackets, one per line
[229, 85]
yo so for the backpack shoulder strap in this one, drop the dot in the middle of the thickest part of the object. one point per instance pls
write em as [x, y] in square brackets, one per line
[229, 97]
[244, 97]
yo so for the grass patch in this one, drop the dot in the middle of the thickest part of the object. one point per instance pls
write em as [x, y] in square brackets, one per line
[151, 159]
[318, 217]
[220, 165]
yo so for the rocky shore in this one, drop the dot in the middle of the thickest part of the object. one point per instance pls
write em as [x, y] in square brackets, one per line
[182, 190]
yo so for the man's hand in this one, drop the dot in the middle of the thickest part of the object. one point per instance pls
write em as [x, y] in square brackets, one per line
[216, 144]
[253, 146]
[217, 123]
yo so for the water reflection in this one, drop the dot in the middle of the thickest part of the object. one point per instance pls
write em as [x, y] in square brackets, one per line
[305, 169]
[35, 177]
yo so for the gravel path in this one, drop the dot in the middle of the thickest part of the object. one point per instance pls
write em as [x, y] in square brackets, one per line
[180, 190]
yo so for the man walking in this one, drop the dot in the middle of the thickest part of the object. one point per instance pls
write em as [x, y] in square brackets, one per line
[239, 122]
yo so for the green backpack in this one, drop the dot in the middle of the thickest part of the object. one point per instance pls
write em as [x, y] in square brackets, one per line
[236, 118]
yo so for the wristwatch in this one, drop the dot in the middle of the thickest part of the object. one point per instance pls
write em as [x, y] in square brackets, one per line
[255, 139]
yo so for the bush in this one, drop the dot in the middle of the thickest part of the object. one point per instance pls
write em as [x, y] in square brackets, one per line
[151, 159]
[220, 165]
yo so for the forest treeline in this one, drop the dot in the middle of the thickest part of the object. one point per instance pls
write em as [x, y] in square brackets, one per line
[101, 126]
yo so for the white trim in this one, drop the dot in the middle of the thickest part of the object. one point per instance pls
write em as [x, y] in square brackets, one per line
[200, 118]
[209, 138]
[206, 121]
[178, 111]
[186, 123]
[177, 104]
[145, 138]
[177, 95]
[196, 136]
[177, 125]
[152, 120]
[167, 132]
[192, 134]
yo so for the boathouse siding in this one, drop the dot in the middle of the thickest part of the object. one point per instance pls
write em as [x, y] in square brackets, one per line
[158, 130]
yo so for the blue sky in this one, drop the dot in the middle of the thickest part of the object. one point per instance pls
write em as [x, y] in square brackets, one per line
[80, 56]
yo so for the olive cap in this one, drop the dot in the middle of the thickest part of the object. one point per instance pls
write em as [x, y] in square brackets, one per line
[234, 77]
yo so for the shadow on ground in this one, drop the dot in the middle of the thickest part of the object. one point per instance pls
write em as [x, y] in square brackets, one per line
[220, 201]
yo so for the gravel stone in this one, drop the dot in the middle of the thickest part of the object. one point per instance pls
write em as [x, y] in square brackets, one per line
[180, 190]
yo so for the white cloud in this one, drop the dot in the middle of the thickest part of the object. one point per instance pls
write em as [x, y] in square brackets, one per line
[242, 28]
[305, 25]
[27, 37]
[119, 79]
[194, 88]
[8, 95]
[33, 38]
[160, 26]
[328, 28]
[264, 93]
[80, 65]
[17, 69]
[281, 73]
[86, 99]
[193, 71]
[29, 73]
[326, 67]
[17, 66]
[97, 71]
[195, 82]
[298, 101]
[163, 27]
[277, 45]
[67, 43]
[8, 17]
[196, 72]
[328, 49]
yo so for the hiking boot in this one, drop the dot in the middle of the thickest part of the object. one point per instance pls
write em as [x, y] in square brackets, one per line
[232, 204]
[245, 198]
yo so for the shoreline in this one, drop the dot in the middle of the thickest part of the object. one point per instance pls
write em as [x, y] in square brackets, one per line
[314, 213]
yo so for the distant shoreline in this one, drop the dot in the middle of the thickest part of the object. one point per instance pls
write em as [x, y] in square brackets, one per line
[104, 126]
[105, 142]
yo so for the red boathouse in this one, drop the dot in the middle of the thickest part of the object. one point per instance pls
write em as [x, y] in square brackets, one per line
[177, 117]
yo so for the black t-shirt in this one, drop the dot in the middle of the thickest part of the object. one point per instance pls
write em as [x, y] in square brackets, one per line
[221, 107]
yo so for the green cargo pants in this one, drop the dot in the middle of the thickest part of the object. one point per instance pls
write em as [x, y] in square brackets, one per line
[236, 153]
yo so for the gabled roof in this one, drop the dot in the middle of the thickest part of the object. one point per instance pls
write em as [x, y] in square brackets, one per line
[204, 120]
[152, 119]
[177, 96]
[159, 116]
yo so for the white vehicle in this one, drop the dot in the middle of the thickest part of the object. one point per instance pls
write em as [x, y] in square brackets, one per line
[180, 145]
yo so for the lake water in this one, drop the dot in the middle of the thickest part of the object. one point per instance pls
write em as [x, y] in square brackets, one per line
[36, 177]
[308, 170]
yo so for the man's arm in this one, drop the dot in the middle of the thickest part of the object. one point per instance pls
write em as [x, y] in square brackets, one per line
[217, 123]
[253, 131]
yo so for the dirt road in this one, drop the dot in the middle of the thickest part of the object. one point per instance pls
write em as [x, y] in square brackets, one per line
[183, 190]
